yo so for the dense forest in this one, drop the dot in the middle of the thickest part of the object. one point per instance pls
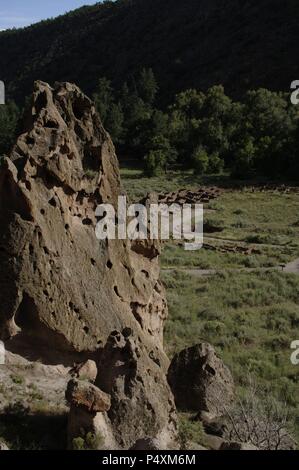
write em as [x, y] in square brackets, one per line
[257, 135]
[188, 44]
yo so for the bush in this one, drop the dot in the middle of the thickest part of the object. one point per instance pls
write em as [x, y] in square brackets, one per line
[189, 431]
[89, 442]
[216, 164]
[200, 161]
[155, 163]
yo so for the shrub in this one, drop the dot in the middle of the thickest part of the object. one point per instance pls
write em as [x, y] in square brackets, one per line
[200, 160]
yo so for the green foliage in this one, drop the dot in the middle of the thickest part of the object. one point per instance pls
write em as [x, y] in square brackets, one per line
[155, 163]
[115, 39]
[190, 431]
[17, 379]
[89, 441]
[208, 132]
[78, 443]
[216, 164]
[9, 116]
[147, 86]
[200, 160]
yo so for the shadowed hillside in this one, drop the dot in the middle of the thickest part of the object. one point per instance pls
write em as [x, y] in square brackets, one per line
[190, 43]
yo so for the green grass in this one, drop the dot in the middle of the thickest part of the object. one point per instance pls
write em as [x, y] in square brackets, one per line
[174, 256]
[269, 218]
[250, 317]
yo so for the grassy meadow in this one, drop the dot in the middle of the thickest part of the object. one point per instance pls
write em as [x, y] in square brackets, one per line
[247, 308]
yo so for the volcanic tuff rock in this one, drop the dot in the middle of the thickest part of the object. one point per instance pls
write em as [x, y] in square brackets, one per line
[142, 406]
[130, 405]
[200, 381]
[61, 288]
[86, 396]
[85, 371]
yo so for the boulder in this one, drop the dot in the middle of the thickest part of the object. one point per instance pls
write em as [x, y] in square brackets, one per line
[200, 381]
[214, 442]
[211, 425]
[87, 415]
[85, 395]
[142, 405]
[237, 446]
[82, 422]
[85, 371]
[146, 444]
[61, 289]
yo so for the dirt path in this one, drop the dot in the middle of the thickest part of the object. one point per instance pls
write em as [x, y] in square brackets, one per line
[211, 272]
[230, 240]
[292, 267]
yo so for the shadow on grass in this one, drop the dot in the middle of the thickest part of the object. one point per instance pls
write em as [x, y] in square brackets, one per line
[38, 431]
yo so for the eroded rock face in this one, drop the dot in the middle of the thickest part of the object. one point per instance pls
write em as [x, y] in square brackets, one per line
[200, 381]
[60, 287]
[142, 405]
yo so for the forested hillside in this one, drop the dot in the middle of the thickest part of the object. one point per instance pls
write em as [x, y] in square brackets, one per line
[188, 44]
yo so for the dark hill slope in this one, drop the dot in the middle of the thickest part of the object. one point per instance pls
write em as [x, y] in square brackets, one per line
[188, 43]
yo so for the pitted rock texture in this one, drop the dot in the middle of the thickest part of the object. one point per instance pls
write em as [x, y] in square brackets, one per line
[142, 405]
[60, 287]
[200, 381]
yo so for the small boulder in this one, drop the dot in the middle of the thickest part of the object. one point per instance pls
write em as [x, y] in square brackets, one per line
[146, 444]
[85, 371]
[214, 442]
[238, 446]
[200, 381]
[87, 396]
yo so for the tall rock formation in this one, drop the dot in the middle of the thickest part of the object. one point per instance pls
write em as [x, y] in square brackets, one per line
[61, 289]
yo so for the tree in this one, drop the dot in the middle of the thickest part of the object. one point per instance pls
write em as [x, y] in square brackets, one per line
[257, 419]
[104, 98]
[245, 152]
[200, 160]
[216, 164]
[155, 163]
[115, 122]
[147, 86]
[9, 117]
[160, 156]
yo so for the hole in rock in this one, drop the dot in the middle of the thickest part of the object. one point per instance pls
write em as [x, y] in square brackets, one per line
[47, 252]
[87, 221]
[52, 202]
[28, 185]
